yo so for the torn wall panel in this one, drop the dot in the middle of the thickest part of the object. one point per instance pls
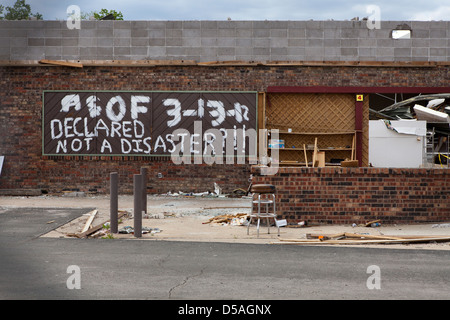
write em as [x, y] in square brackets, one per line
[390, 148]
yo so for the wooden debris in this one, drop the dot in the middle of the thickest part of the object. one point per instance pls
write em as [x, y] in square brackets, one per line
[370, 237]
[306, 157]
[352, 162]
[368, 224]
[353, 238]
[92, 215]
[61, 63]
[323, 236]
[93, 229]
[228, 63]
[314, 157]
[226, 218]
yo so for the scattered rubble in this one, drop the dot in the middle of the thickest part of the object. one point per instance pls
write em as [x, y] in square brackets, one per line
[202, 220]
[354, 238]
[145, 230]
[442, 225]
[348, 238]
[218, 193]
[238, 219]
[373, 224]
[403, 109]
[92, 231]
[160, 215]
[73, 194]
[434, 110]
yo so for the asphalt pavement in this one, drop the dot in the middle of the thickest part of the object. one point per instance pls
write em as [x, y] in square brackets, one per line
[37, 268]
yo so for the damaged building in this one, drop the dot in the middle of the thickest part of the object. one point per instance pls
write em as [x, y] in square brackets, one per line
[355, 119]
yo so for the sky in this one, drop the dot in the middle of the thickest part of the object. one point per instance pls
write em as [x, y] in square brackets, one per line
[396, 10]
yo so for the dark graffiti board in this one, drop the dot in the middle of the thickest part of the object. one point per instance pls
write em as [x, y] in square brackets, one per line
[144, 122]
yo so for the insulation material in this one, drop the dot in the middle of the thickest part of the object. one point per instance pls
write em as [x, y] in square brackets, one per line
[430, 115]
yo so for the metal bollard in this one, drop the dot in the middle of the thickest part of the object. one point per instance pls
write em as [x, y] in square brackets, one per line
[113, 202]
[137, 191]
[144, 189]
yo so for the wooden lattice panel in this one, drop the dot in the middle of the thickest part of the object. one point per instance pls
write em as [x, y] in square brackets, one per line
[311, 112]
[319, 113]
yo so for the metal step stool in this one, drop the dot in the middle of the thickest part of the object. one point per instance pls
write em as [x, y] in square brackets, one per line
[263, 194]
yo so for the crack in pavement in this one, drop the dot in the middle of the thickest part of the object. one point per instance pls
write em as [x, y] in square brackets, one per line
[184, 282]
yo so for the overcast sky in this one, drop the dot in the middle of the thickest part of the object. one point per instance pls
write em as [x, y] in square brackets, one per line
[397, 10]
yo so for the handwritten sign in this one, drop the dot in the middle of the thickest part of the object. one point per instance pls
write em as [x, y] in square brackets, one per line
[141, 123]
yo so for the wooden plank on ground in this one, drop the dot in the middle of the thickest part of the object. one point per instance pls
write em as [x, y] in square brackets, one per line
[92, 215]
[352, 242]
[93, 229]
[329, 236]
[371, 237]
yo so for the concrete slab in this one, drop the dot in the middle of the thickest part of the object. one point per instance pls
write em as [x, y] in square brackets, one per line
[179, 218]
[19, 224]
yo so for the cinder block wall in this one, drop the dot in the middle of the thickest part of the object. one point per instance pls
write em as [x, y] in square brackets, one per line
[358, 195]
[223, 41]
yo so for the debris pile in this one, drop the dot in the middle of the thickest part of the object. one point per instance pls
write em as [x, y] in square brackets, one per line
[354, 238]
[434, 109]
[423, 107]
[161, 215]
[217, 193]
[145, 230]
[442, 225]
[99, 230]
[238, 219]
[373, 224]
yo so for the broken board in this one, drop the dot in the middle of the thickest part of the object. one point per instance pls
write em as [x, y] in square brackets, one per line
[352, 239]
[92, 215]
[2, 158]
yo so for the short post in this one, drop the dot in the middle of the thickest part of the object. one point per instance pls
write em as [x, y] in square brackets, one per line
[144, 189]
[113, 201]
[137, 191]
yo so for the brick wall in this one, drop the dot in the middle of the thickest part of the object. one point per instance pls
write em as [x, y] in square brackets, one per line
[21, 136]
[358, 195]
[21, 113]
[91, 174]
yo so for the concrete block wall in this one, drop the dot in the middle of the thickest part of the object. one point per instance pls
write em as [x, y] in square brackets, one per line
[204, 41]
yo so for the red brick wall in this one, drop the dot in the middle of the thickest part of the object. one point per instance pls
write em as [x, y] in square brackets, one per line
[21, 113]
[358, 195]
[91, 174]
